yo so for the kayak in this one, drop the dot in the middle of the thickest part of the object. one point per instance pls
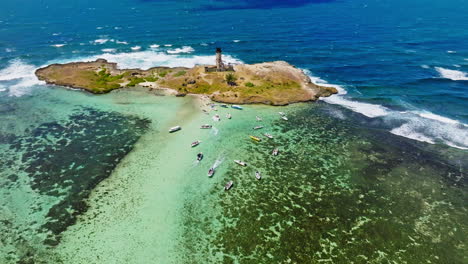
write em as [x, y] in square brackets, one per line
[255, 138]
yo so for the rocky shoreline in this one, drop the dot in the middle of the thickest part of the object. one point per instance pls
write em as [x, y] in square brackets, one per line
[271, 83]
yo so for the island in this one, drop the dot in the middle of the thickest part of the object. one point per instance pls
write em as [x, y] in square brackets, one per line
[271, 83]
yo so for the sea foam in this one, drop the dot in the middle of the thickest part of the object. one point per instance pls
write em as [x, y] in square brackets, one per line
[149, 58]
[418, 124]
[453, 75]
[184, 49]
[19, 76]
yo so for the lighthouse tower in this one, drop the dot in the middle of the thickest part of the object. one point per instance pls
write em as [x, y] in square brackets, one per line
[219, 60]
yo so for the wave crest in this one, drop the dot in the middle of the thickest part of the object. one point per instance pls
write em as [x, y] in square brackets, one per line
[453, 75]
[18, 78]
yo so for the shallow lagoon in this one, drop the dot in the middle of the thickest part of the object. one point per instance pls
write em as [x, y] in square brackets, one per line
[338, 191]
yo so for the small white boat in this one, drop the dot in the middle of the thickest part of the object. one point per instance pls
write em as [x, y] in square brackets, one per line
[195, 143]
[211, 172]
[237, 107]
[174, 129]
[258, 175]
[228, 185]
[206, 126]
[228, 116]
[224, 105]
[199, 156]
[258, 118]
[216, 117]
[275, 152]
[281, 113]
[240, 163]
[284, 118]
[257, 127]
[268, 135]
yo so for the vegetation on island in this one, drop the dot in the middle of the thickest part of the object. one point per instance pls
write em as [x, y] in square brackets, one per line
[276, 83]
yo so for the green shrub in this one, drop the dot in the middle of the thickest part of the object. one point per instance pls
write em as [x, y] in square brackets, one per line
[163, 74]
[180, 73]
[249, 84]
[134, 81]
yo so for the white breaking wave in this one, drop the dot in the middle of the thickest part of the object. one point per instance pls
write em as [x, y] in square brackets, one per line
[418, 125]
[453, 75]
[167, 45]
[184, 49]
[19, 76]
[101, 41]
[136, 48]
[121, 42]
[148, 59]
[236, 40]
[369, 110]
[58, 45]
[430, 130]
[109, 50]
[154, 46]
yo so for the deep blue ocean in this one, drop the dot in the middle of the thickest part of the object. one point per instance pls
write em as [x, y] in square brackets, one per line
[404, 63]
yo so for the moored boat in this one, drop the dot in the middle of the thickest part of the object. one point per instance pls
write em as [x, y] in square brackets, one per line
[206, 126]
[240, 162]
[228, 185]
[228, 116]
[268, 135]
[199, 156]
[195, 143]
[275, 152]
[257, 127]
[174, 129]
[284, 118]
[237, 107]
[224, 105]
[211, 171]
[258, 175]
[258, 118]
[216, 117]
[281, 113]
[255, 138]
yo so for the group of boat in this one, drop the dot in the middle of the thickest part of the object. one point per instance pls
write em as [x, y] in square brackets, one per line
[216, 117]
